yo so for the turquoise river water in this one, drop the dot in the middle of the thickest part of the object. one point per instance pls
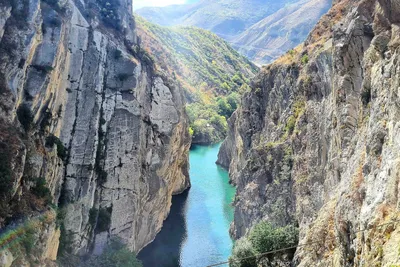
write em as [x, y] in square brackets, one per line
[196, 233]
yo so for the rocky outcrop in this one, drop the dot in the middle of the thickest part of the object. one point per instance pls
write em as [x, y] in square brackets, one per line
[316, 141]
[82, 106]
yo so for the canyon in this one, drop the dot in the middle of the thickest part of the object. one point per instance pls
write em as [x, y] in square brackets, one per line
[95, 135]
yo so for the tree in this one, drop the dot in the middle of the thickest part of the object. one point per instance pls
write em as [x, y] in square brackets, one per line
[224, 108]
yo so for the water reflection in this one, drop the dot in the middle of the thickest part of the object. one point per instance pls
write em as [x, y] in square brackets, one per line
[166, 247]
[196, 233]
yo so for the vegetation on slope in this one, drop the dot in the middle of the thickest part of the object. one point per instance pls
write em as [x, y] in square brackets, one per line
[263, 238]
[115, 255]
[212, 74]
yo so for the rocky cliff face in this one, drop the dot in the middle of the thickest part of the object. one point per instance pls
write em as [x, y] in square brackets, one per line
[82, 106]
[317, 143]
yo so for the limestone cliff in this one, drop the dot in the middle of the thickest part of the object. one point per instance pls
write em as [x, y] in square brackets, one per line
[316, 142]
[82, 106]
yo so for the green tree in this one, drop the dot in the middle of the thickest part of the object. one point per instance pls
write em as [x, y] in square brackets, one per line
[233, 100]
[224, 107]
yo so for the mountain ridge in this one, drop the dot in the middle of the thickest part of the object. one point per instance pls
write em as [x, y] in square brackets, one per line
[238, 22]
[211, 73]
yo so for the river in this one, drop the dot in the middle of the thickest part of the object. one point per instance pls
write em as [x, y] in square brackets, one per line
[196, 233]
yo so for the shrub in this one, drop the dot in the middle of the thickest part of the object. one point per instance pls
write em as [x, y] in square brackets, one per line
[55, 5]
[115, 255]
[29, 238]
[191, 131]
[109, 13]
[264, 237]
[61, 150]
[46, 120]
[243, 249]
[41, 190]
[291, 124]
[25, 116]
[304, 59]
[61, 213]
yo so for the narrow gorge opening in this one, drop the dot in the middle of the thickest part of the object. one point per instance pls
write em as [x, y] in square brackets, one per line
[196, 233]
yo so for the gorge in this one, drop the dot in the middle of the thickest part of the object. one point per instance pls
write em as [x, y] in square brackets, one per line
[101, 114]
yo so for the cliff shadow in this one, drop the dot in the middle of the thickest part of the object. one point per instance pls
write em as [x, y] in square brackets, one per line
[165, 250]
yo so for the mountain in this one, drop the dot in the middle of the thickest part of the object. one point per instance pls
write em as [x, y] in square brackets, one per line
[315, 146]
[276, 34]
[210, 72]
[93, 140]
[262, 30]
[226, 18]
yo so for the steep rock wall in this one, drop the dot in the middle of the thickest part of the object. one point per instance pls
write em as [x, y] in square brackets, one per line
[316, 141]
[121, 142]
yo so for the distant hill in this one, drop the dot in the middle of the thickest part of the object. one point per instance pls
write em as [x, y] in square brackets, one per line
[227, 18]
[266, 40]
[211, 72]
[262, 30]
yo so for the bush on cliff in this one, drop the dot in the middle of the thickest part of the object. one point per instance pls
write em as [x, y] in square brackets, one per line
[243, 249]
[115, 255]
[264, 237]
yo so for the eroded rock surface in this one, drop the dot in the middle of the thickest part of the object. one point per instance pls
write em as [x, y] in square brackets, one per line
[82, 77]
[316, 142]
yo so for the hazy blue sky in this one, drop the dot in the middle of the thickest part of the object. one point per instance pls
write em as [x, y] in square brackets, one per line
[142, 3]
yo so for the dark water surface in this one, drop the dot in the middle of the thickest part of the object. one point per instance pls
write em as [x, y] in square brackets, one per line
[196, 233]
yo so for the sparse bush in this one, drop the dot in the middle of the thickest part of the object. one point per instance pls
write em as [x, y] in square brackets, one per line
[109, 13]
[46, 121]
[61, 150]
[41, 190]
[290, 125]
[55, 4]
[61, 213]
[304, 59]
[191, 132]
[29, 238]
